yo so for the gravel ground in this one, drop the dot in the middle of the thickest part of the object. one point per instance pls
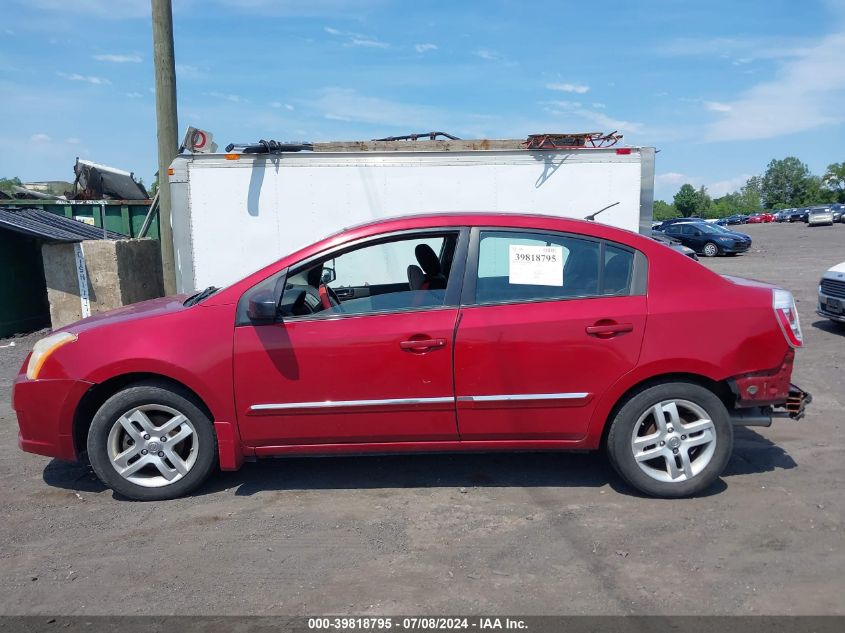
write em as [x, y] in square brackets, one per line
[445, 534]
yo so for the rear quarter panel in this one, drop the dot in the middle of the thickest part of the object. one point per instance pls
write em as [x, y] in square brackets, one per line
[698, 323]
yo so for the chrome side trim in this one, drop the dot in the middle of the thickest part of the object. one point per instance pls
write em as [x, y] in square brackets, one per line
[524, 396]
[329, 404]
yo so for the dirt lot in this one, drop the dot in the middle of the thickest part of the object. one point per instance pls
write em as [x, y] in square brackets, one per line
[529, 533]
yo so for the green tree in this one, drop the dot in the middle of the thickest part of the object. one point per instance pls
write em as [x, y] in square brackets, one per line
[751, 195]
[6, 184]
[785, 182]
[664, 210]
[834, 180]
[686, 200]
[703, 202]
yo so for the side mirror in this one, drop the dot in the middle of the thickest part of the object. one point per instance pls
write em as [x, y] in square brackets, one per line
[328, 275]
[262, 307]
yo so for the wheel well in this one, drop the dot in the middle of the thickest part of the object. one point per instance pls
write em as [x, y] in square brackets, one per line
[99, 393]
[721, 389]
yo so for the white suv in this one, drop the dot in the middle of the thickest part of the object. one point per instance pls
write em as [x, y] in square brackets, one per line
[819, 216]
[832, 294]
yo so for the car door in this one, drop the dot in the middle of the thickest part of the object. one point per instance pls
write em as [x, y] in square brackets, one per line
[549, 321]
[370, 364]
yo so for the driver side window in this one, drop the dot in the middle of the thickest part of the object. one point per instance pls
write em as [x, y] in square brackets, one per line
[402, 273]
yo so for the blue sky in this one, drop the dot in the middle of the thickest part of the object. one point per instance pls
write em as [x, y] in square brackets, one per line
[719, 87]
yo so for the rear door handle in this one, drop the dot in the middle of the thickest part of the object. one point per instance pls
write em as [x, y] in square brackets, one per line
[423, 345]
[606, 330]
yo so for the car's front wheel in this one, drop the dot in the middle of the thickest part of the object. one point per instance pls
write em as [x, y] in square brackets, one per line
[671, 440]
[710, 250]
[151, 441]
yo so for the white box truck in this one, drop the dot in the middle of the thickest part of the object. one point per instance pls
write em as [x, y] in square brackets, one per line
[236, 212]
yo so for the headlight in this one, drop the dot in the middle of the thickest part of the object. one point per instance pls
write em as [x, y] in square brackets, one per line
[42, 350]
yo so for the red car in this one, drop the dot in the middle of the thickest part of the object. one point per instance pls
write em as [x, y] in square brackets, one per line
[454, 332]
[759, 218]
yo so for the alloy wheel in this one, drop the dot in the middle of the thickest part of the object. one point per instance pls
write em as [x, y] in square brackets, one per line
[673, 440]
[152, 445]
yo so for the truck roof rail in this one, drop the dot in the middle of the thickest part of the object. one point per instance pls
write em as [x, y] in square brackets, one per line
[432, 136]
[269, 147]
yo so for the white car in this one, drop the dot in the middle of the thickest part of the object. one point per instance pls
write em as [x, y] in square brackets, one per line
[832, 294]
[819, 216]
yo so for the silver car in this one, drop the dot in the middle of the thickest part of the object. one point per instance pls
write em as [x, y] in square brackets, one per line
[819, 216]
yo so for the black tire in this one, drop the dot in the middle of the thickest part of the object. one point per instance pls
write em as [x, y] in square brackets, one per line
[713, 252]
[621, 452]
[143, 394]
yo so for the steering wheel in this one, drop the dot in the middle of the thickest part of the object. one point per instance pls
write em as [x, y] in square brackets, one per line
[328, 298]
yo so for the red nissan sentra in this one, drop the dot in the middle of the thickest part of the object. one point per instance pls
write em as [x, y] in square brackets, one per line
[453, 332]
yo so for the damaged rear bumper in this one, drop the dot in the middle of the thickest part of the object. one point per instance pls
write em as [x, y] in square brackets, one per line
[794, 408]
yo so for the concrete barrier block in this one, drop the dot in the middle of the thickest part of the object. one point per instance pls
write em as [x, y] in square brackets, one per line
[109, 274]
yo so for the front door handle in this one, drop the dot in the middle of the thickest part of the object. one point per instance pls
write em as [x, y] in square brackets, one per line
[604, 329]
[422, 345]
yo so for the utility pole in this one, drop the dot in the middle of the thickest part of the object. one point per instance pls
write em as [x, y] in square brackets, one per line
[167, 126]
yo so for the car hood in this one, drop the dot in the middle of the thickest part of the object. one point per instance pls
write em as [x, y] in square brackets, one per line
[737, 236]
[144, 309]
[836, 272]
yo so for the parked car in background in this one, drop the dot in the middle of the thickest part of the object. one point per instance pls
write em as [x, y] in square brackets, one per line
[444, 332]
[709, 240]
[755, 219]
[832, 294]
[791, 215]
[722, 222]
[673, 244]
[669, 222]
[838, 211]
[735, 219]
[820, 216]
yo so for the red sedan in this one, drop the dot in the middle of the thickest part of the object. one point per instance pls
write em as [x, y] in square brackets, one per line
[760, 218]
[454, 332]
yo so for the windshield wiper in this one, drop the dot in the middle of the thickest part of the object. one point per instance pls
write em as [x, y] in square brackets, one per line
[200, 296]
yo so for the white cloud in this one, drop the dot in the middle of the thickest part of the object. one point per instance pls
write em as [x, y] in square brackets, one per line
[346, 104]
[331, 31]
[72, 140]
[600, 106]
[367, 43]
[671, 178]
[40, 138]
[667, 184]
[134, 95]
[721, 187]
[806, 93]
[567, 87]
[86, 78]
[600, 119]
[119, 59]
[279, 104]
[717, 106]
[99, 8]
[186, 71]
[486, 53]
[423, 48]
[226, 96]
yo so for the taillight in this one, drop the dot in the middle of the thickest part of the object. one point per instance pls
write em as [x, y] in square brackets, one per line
[787, 316]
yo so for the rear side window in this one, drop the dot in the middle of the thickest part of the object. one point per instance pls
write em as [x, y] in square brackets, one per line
[521, 266]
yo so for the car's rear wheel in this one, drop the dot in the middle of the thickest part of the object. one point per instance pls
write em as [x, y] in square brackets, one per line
[710, 250]
[671, 440]
[151, 441]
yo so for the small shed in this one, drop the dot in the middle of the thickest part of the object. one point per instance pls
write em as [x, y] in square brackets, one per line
[23, 289]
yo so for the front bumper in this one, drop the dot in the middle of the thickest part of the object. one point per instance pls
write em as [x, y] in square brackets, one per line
[45, 411]
[736, 248]
[828, 311]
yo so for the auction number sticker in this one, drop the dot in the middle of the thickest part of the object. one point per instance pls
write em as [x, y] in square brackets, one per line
[535, 265]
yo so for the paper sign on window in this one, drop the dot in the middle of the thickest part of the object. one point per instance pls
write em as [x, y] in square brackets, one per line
[535, 265]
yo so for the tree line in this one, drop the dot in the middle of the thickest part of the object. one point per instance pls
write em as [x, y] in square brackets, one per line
[787, 183]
